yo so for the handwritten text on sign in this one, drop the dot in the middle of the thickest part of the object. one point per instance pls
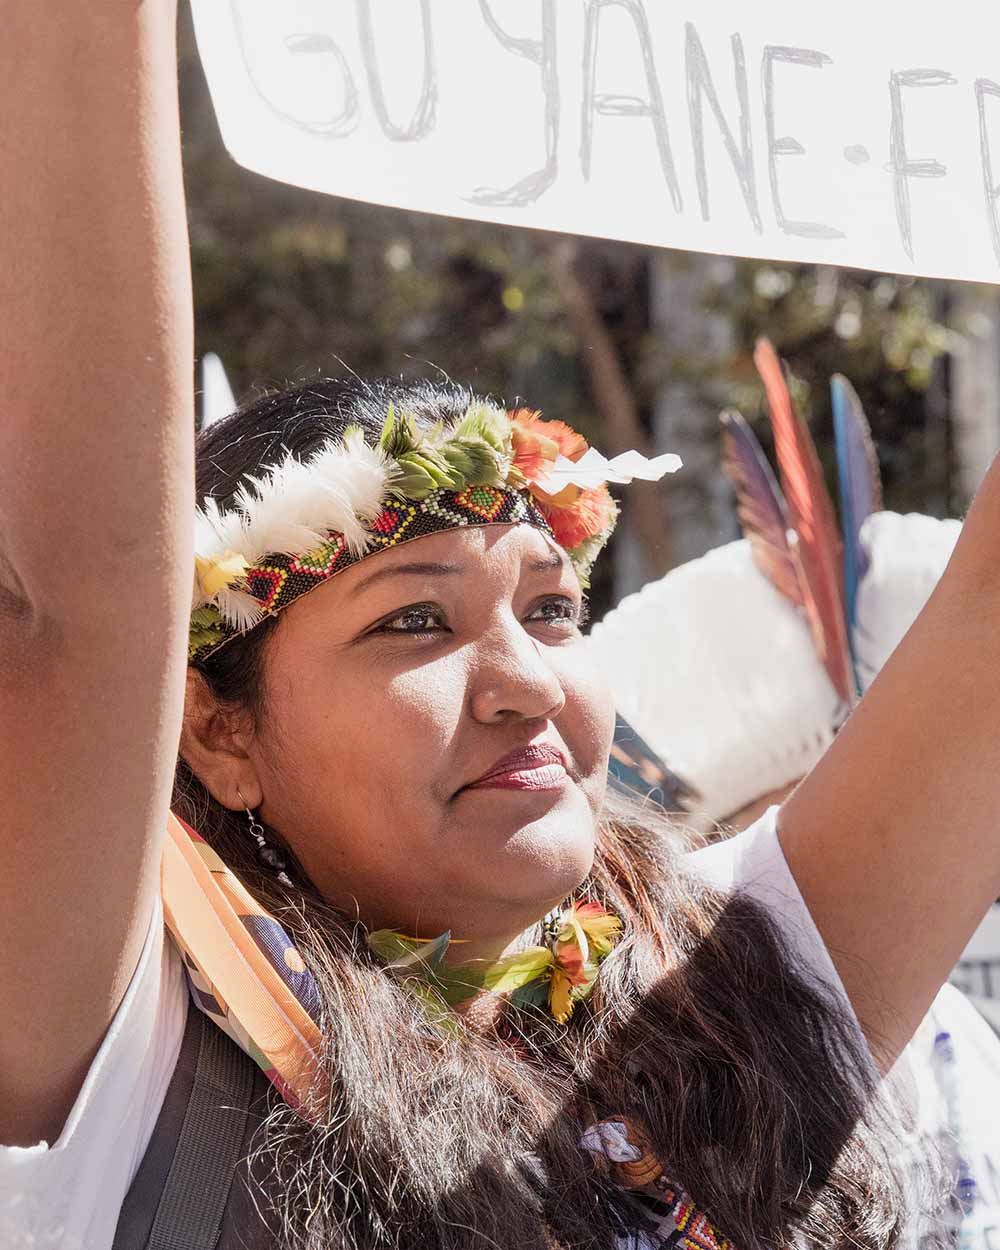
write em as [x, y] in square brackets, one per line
[855, 134]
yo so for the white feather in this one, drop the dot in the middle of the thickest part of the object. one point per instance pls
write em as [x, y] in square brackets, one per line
[216, 531]
[238, 609]
[198, 597]
[908, 555]
[293, 507]
[719, 674]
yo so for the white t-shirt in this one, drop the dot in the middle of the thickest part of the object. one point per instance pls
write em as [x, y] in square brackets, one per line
[69, 1195]
[954, 1061]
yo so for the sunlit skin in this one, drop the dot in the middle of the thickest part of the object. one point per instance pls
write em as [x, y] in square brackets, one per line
[391, 688]
[753, 811]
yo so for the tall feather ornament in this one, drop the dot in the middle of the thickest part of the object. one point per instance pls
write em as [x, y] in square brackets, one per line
[760, 507]
[860, 487]
[811, 517]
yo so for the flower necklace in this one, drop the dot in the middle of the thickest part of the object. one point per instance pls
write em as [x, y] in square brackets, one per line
[557, 975]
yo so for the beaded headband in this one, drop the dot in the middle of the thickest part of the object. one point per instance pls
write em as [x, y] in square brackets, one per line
[303, 522]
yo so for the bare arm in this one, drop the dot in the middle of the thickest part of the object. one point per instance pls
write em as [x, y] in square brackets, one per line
[95, 506]
[894, 838]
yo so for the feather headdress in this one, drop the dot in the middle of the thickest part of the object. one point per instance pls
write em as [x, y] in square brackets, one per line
[302, 522]
[716, 664]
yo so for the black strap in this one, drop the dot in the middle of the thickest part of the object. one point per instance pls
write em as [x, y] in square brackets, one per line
[189, 1216]
[215, 1083]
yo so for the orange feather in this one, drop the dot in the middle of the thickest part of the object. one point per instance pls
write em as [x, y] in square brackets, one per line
[811, 517]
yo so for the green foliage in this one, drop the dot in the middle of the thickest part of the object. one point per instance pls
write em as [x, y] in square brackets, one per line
[475, 452]
[206, 629]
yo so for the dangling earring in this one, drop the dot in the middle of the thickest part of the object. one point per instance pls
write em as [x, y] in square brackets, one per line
[268, 857]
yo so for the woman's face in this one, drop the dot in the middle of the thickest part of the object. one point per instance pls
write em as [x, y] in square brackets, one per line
[434, 742]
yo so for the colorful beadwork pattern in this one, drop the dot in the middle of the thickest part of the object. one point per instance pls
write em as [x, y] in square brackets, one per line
[670, 1221]
[278, 580]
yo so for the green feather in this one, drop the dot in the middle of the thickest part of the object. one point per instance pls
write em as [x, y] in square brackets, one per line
[513, 971]
[489, 424]
[474, 460]
[402, 954]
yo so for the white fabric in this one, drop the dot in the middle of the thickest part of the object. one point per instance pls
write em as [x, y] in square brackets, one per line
[954, 1060]
[717, 671]
[67, 1196]
[908, 554]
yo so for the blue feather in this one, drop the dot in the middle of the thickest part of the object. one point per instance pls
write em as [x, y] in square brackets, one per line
[860, 486]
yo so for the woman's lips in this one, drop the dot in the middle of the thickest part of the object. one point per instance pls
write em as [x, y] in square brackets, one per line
[532, 768]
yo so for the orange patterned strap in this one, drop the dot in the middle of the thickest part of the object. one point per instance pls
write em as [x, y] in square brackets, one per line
[243, 969]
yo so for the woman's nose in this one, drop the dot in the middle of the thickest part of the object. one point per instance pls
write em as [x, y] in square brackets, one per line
[513, 678]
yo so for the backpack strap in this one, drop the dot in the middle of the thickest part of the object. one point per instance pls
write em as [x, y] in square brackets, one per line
[179, 1195]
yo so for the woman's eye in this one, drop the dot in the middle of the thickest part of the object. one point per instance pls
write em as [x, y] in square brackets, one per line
[557, 611]
[420, 619]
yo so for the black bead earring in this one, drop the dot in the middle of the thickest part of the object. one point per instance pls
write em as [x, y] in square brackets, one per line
[268, 857]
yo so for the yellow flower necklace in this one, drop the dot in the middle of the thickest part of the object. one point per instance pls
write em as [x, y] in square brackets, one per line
[558, 974]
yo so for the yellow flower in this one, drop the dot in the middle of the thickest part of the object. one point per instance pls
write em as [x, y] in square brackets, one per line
[601, 927]
[215, 573]
[560, 994]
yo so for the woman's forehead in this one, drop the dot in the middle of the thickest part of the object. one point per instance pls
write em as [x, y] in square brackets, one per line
[498, 554]
[468, 548]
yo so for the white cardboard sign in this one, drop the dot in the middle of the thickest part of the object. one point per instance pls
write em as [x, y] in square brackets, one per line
[859, 134]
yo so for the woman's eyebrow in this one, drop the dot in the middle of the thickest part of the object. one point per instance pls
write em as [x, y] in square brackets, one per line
[555, 561]
[424, 568]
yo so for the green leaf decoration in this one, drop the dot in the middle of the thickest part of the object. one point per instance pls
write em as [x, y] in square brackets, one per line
[534, 994]
[430, 462]
[475, 451]
[399, 434]
[388, 430]
[489, 424]
[513, 971]
[206, 629]
[412, 482]
[402, 954]
[474, 461]
[583, 555]
[458, 984]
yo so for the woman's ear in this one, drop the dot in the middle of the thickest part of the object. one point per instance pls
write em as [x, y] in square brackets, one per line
[214, 745]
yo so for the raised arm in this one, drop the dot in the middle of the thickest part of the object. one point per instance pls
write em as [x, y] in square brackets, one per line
[894, 838]
[95, 505]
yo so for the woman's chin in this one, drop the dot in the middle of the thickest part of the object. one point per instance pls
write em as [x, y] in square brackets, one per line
[546, 859]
